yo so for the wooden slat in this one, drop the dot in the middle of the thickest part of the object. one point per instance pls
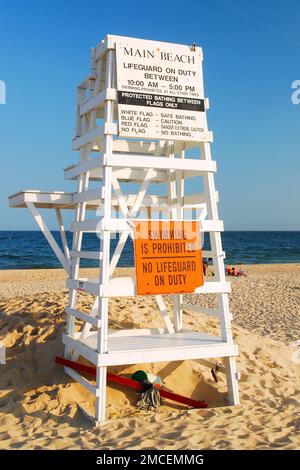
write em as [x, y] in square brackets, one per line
[161, 348]
[63, 200]
[86, 82]
[88, 137]
[49, 237]
[84, 317]
[83, 381]
[130, 167]
[123, 174]
[86, 351]
[93, 225]
[199, 309]
[98, 100]
[87, 196]
[164, 313]
[141, 147]
[119, 225]
[137, 332]
[91, 136]
[125, 286]
[87, 165]
[62, 233]
[40, 199]
[212, 254]
[140, 161]
[97, 255]
[214, 287]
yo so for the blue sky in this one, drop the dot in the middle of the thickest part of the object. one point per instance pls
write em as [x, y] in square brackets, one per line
[251, 57]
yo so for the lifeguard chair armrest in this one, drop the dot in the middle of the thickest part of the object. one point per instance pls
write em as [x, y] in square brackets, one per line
[42, 199]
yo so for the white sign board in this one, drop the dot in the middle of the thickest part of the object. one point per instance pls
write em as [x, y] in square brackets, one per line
[160, 90]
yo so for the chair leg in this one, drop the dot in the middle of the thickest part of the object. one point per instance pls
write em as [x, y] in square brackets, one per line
[100, 411]
[232, 381]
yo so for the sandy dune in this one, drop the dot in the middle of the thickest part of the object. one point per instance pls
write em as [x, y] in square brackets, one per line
[39, 403]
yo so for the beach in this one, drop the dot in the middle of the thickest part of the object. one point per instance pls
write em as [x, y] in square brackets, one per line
[42, 408]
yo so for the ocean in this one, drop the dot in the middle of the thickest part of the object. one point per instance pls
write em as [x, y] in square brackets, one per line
[30, 250]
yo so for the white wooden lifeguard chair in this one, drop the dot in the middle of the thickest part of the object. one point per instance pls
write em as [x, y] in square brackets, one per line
[111, 164]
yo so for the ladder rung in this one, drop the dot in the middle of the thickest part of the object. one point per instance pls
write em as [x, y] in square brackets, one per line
[91, 136]
[92, 225]
[120, 225]
[98, 100]
[84, 316]
[87, 196]
[83, 285]
[88, 137]
[212, 254]
[162, 163]
[97, 255]
[199, 309]
[118, 287]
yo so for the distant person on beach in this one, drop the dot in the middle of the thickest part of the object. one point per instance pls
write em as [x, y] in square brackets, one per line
[233, 272]
[205, 266]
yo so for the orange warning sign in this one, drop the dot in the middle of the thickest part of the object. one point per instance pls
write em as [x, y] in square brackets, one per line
[168, 258]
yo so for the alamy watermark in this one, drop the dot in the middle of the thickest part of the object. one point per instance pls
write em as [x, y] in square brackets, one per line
[295, 96]
[2, 92]
[172, 217]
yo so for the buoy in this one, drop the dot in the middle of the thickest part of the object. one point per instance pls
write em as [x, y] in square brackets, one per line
[119, 379]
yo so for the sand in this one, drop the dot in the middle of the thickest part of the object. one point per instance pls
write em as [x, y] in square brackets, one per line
[41, 408]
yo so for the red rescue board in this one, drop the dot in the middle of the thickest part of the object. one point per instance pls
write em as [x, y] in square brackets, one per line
[119, 379]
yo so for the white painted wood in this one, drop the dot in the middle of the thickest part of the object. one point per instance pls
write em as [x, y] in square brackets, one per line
[140, 161]
[84, 317]
[64, 200]
[232, 380]
[173, 201]
[81, 96]
[120, 225]
[136, 204]
[159, 348]
[131, 161]
[120, 197]
[83, 124]
[104, 276]
[98, 100]
[199, 309]
[223, 304]
[41, 199]
[88, 196]
[190, 167]
[96, 255]
[76, 170]
[125, 286]
[117, 252]
[123, 174]
[62, 233]
[72, 343]
[82, 380]
[95, 314]
[49, 237]
[164, 313]
[182, 200]
[141, 147]
[137, 332]
[91, 136]
[211, 254]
